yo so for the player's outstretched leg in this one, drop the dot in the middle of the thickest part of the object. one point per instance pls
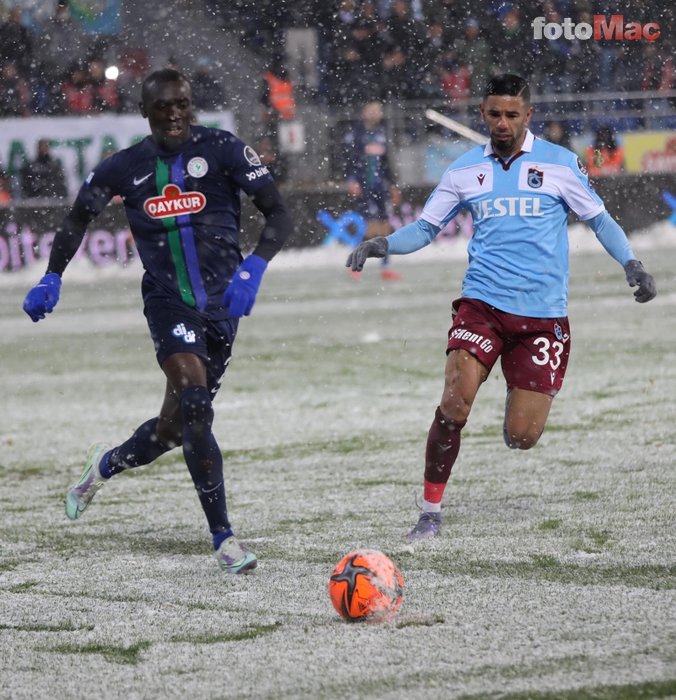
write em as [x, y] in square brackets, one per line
[80, 495]
[443, 445]
[205, 464]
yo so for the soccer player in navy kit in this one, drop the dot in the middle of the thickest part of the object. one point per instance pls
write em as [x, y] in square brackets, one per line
[181, 187]
[519, 190]
[369, 176]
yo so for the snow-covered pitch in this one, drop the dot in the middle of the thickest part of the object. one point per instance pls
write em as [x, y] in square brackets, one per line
[554, 576]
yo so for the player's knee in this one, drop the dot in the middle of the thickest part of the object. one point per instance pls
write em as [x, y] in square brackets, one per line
[520, 440]
[196, 409]
[170, 432]
[455, 409]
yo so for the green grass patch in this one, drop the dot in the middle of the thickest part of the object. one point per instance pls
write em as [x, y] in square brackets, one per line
[252, 632]
[130, 655]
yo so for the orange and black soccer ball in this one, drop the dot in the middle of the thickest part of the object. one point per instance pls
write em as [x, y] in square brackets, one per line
[366, 585]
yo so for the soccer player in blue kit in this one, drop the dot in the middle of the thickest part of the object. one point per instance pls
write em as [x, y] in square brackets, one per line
[519, 190]
[181, 191]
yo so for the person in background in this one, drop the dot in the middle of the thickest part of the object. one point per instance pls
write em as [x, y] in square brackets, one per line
[181, 187]
[44, 176]
[369, 177]
[278, 105]
[514, 300]
[556, 132]
[207, 91]
[5, 190]
[604, 156]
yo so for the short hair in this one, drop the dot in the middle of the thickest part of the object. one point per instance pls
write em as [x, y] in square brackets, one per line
[164, 75]
[508, 84]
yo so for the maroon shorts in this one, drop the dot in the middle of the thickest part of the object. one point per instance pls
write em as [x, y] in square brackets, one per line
[533, 351]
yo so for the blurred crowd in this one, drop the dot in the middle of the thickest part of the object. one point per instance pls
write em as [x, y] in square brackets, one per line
[359, 50]
[445, 49]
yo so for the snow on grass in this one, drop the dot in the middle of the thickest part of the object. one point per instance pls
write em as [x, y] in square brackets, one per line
[555, 573]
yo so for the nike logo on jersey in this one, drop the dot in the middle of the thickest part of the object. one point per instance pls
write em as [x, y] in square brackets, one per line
[139, 180]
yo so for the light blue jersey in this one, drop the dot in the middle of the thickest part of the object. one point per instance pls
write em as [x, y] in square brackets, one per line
[518, 255]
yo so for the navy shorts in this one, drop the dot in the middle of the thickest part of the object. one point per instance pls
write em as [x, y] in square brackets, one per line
[373, 205]
[175, 327]
[533, 352]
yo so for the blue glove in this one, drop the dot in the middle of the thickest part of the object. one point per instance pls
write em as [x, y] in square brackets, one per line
[42, 298]
[240, 295]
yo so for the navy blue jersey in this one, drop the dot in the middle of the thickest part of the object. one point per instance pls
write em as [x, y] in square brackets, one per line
[367, 160]
[183, 209]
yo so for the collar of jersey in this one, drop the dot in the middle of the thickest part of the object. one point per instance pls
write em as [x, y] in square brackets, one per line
[526, 148]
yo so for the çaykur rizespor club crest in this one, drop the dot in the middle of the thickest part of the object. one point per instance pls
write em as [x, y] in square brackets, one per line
[535, 178]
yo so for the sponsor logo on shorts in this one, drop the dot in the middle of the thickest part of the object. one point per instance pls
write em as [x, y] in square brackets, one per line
[468, 336]
[174, 202]
[180, 331]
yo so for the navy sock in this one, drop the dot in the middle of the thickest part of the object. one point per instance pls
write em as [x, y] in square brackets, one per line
[203, 457]
[220, 537]
[143, 447]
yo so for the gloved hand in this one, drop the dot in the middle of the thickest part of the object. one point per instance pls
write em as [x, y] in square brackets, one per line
[240, 295]
[373, 248]
[42, 298]
[638, 277]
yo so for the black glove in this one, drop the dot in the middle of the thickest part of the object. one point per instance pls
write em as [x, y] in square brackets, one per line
[638, 277]
[373, 248]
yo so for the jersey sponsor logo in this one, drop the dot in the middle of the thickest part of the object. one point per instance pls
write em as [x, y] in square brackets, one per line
[535, 178]
[251, 156]
[258, 172]
[139, 180]
[197, 167]
[463, 334]
[481, 177]
[173, 202]
[506, 206]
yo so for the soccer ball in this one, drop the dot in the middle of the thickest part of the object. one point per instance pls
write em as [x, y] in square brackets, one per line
[366, 585]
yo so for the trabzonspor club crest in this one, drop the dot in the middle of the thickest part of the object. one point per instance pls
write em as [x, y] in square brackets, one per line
[535, 178]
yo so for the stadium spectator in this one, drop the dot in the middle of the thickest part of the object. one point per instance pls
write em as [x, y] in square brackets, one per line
[585, 58]
[207, 91]
[196, 287]
[278, 105]
[472, 50]
[605, 156]
[552, 59]
[43, 177]
[15, 96]
[103, 89]
[520, 313]
[556, 132]
[403, 61]
[511, 40]
[60, 44]
[357, 51]
[15, 41]
[369, 177]
[5, 190]
[77, 91]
